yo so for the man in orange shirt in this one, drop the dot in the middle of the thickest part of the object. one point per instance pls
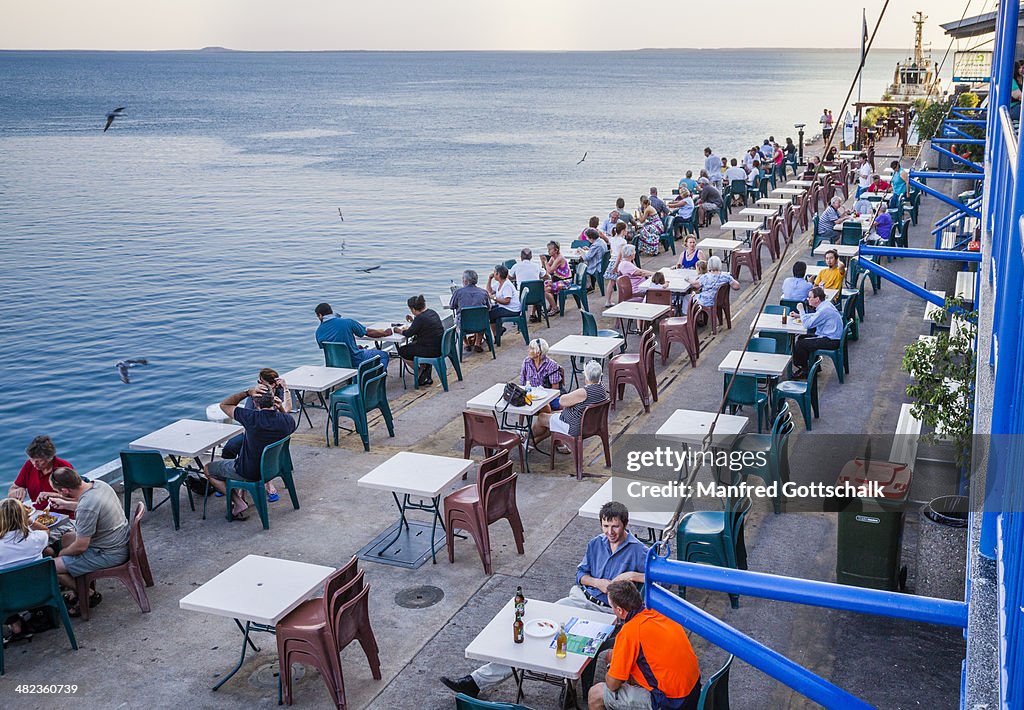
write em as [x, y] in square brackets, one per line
[653, 664]
[834, 272]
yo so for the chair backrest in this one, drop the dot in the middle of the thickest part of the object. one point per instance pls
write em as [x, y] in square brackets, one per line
[852, 233]
[348, 611]
[449, 346]
[475, 319]
[509, 263]
[337, 354]
[715, 695]
[374, 388]
[850, 308]
[812, 376]
[136, 550]
[339, 579]
[738, 187]
[761, 345]
[736, 510]
[784, 415]
[589, 323]
[661, 297]
[625, 287]
[497, 492]
[531, 293]
[722, 296]
[789, 219]
[464, 702]
[143, 468]
[775, 310]
[28, 585]
[580, 276]
[275, 459]
[744, 389]
[488, 466]
[366, 367]
[788, 304]
[480, 428]
[577, 243]
[595, 419]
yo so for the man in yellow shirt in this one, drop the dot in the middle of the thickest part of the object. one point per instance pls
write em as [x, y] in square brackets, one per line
[834, 272]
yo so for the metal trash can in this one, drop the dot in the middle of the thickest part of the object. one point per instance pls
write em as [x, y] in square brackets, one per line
[870, 531]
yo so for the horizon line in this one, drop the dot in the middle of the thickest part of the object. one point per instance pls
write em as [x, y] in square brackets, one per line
[213, 49]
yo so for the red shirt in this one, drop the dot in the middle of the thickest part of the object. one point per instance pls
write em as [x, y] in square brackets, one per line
[35, 483]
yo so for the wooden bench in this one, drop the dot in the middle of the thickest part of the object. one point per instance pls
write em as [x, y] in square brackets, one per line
[908, 434]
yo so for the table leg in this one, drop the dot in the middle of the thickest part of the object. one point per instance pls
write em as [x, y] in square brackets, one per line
[402, 521]
[436, 501]
[519, 676]
[302, 408]
[246, 642]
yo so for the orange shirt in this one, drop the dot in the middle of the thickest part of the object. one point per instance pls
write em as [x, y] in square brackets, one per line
[666, 648]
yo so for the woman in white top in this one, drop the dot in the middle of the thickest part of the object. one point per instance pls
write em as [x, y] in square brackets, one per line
[20, 541]
[864, 173]
[615, 244]
[505, 296]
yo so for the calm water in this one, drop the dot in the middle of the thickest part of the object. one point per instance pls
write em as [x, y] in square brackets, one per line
[200, 231]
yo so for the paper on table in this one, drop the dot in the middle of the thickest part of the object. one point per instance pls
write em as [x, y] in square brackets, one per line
[584, 636]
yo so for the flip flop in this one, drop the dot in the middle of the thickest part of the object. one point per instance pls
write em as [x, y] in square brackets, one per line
[274, 497]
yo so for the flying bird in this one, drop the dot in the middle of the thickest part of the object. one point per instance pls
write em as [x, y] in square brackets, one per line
[368, 269]
[341, 215]
[125, 365]
[112, 115]
[343, 245]
[584, 157]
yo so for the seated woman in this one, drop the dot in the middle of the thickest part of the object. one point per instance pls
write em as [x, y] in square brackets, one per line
[570, 419]
[425, 331]
[559, 274]
[707, 285]
[505, 297]
[691, 254]
[683, 206]
[636, 275]
[20, 541]
[541, 371]
[650, 227]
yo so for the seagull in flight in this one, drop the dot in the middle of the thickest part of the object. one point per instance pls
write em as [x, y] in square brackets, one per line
[343, 245]
[583, 158]
[341, 215]
[369, 269]
[125, 365]
[112, 115]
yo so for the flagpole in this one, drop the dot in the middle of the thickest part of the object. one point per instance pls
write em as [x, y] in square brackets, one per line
[860, 76]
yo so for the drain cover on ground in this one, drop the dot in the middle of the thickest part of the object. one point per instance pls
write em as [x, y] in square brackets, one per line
[419, 597]
[266, 675]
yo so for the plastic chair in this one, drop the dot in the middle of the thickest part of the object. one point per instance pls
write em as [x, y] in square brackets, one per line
[474, 320]
[625, 290]
[475, 507]
[841, 355]
[790, 305]
[915, 204]
[750, 258]
[345, 400]
[852, 233]
[531, 293]
[449, 350]
[804, 394]
[369, 393]
[578, 291]
[850, 310]
[761, 345]
[744, 393]
[774, 449]
[315, 632]
[590, 328]
[595, 423]
[134, 573]
[721, 312]
[738, 188]
[789, 222]
[578, 243]
[658, 296]
[605, 260]
[819, 239]
[145, 470]
[31, 585]
[775, 310]
[680, 330]
[509, 263]
[482, 430]
[715, 537]
[668, 240]
[337, 355]
[715, 695]
[464, 702]
[637, 370]
[275, 462]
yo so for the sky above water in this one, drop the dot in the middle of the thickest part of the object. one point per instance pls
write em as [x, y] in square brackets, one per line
[466, 24]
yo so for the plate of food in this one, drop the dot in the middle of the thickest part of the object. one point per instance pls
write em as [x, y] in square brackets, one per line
[49, 518]
[540, 628]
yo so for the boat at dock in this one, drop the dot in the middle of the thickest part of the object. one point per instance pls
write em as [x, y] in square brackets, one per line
[917, 76]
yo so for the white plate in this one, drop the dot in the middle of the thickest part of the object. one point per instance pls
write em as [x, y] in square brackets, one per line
[60, 517]
[540, 628]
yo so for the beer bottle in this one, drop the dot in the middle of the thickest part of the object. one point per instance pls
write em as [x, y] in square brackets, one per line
[561, 642]
[520, 600]
[517, 628]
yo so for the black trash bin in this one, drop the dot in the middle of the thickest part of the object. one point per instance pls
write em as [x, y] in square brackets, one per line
[870, 531]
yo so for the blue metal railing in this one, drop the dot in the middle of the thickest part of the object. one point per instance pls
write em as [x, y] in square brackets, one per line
[660, 571]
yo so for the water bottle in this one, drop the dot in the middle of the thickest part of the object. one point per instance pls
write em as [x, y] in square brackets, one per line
[453, 287]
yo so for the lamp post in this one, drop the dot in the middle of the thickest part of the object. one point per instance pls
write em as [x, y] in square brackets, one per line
[800, 128]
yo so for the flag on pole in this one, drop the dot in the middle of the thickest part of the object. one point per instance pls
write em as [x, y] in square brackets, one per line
[864, 37]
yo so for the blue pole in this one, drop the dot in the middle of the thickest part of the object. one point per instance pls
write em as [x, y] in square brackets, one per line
[944, 198]
[965, 121]
[960, 141]
[969, 163]
[756, 654]
[928, 174]
[909, 253]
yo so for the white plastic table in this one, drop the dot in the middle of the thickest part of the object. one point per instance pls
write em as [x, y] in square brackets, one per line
[413, 475]
[800, 183]
[676, 280]
[657, 521]
[260, 590]
[777, 202]
[965, 281]
[758, 211]
[766, 364]
[691, 426]
[814, 269]
[864, 222]
[494, 644]
[772, 323]
[584, 346]
[844, 250]
[876, 195]
[187, 438]
[726, 245]
[790, 191]
[490, 401]
[633, 310]
[318, 379]
[741, 225]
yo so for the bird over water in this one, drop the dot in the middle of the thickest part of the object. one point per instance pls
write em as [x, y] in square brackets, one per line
[112, 115]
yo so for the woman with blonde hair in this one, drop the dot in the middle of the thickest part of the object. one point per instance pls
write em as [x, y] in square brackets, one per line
[20, 541]
[541, 371]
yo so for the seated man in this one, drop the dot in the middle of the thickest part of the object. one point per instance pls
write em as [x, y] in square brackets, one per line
[233, 445]
[267, 423]
[688, 182]
[100, 539]
[470, 296]
[335, 329]
[653, 664]
[833, 215]
[833, 273]
[526, 269]
[796, 287]
[594, 256]
[624, 215]
[614, 217]
[827, 324]
[734, 173]
[878, 184]
[658, 204]
[613, 556]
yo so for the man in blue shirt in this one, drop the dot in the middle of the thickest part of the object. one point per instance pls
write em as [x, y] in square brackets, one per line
[614, 555]
[796, 287]
[335, 329]
[657, 203]
[827, 324]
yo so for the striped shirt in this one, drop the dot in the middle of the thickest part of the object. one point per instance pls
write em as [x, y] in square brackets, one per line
[573, 416]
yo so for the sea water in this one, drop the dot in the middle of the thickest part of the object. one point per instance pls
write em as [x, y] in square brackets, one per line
[200, 231]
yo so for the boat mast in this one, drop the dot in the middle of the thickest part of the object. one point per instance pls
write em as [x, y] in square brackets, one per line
[919, 19]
